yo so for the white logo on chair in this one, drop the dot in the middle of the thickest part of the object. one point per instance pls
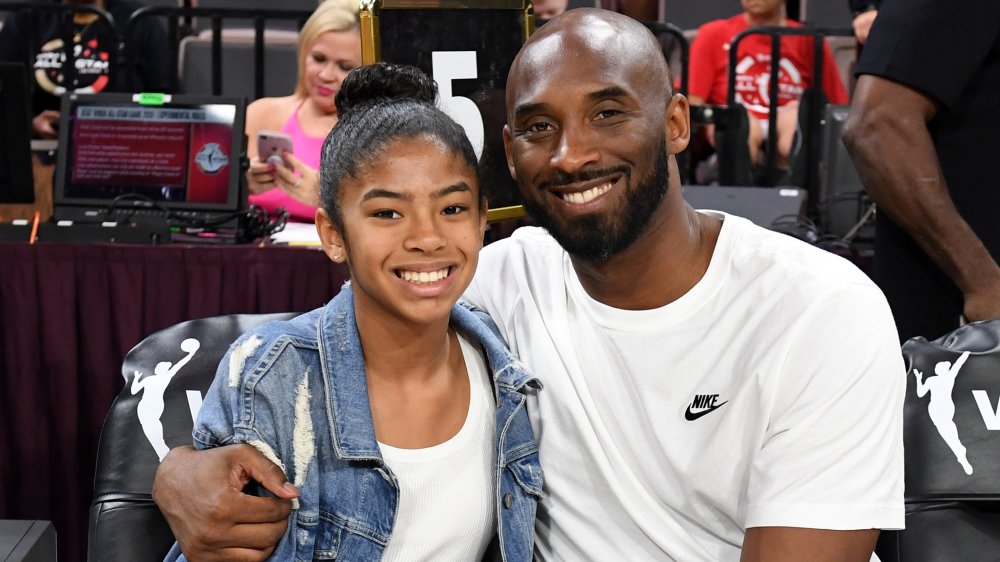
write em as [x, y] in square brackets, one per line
[941, 407]
[150, 406]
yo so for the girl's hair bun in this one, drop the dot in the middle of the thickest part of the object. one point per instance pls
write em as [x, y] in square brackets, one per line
[384, 81]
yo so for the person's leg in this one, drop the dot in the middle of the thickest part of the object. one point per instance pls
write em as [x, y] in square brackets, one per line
[755, 138]
[788, 117]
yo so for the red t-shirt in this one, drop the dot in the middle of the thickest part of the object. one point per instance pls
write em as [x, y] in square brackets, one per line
[710, 57]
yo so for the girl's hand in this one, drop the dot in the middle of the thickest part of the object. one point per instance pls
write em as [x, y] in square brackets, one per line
[298, 180]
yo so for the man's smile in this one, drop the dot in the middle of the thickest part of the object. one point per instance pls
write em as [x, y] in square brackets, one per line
[587, 195]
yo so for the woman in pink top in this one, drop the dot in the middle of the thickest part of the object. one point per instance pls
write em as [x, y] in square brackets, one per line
[329, 47]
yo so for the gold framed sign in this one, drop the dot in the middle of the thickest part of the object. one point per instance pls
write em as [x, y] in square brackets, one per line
[467, 46]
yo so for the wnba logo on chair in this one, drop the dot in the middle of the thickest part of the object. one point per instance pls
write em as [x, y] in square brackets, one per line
[153, 386]
[950, 387]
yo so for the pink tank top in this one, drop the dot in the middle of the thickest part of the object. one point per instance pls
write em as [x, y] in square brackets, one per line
[307, 149]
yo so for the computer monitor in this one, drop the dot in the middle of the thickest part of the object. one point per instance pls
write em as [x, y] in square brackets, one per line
[175, 155]
[16, 179]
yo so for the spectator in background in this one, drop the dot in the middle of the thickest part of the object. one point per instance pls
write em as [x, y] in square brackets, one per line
[94, 41]
[864, 12]
[709, 68]
[329, 47]
[923, 133]
[640, 10]
[548, 9]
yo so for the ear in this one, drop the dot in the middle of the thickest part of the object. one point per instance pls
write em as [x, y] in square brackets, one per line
[330, 237]
[678, 124]
[508, 149]
[483, 211]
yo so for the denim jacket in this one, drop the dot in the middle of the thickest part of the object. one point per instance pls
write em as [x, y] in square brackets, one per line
[297, 391]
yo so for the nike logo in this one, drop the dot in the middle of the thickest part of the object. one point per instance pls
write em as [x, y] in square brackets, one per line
[701, 405]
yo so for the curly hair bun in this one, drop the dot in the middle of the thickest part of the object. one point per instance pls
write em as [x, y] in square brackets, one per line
[385, 81]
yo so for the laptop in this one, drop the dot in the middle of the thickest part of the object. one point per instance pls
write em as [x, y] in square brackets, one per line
[150, 159]
[764, 206]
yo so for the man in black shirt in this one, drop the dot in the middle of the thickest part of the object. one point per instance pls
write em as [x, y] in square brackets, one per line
[924, 133]
[93, 43]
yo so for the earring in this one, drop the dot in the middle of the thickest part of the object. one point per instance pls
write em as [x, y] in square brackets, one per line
[337, 257]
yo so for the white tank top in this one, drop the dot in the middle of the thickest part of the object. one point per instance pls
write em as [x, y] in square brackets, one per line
[447, 493]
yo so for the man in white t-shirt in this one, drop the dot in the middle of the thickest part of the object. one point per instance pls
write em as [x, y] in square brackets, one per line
[713, 390]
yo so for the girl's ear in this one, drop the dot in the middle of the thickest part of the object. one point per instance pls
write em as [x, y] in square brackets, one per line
[330, 237]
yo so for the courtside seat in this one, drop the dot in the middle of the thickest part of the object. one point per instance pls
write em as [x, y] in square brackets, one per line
[280, 63]
[951, 436]
[305, 6]
[166, 375]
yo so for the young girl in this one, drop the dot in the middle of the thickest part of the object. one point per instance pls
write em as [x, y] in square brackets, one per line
[398, 415]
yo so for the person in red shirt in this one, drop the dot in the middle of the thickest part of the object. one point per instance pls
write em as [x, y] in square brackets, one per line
[708, 72]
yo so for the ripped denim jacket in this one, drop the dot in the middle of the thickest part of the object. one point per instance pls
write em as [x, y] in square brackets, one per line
[348, 495]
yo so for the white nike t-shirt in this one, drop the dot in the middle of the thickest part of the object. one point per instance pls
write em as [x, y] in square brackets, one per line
[769, 395]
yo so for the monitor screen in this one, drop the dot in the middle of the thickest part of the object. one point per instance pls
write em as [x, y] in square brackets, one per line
[183, 153]
[16, 182]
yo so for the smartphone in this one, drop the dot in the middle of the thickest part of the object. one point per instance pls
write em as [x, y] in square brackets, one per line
[271, 145]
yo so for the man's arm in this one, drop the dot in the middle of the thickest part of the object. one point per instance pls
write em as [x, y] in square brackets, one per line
[887, 137]
[781, 544]
[830, 468]
[201, 496]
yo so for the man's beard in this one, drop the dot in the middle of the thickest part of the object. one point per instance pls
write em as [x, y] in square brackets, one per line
[599, 237]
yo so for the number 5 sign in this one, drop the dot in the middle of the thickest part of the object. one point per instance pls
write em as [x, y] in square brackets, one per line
[468, 51]
[452, 65]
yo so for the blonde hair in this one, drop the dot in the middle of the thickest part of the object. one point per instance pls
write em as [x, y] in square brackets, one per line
[330, 15]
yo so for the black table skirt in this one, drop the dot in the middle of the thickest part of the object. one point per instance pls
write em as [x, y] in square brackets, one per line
[69, 314]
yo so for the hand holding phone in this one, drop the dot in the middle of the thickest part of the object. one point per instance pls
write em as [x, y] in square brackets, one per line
[271, 146]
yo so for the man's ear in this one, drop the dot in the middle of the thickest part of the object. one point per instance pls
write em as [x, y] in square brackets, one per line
[330, 237]
[483, 212]
[678, 124]
[508, 149]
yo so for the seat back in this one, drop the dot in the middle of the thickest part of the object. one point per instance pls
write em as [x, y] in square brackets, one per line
[280, 60]
[166, 376]
[951, 436]
[841, 203]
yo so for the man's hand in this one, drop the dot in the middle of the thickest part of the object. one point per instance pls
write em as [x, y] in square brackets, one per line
[42, 124]
[200, 494]
[982, 304]
[862, 25]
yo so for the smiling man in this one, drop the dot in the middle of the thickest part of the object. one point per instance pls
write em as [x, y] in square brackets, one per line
[713, 390]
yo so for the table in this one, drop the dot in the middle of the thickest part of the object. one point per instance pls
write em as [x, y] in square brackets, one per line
[68, 315]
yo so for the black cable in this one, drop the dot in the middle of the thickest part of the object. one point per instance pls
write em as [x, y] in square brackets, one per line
[152, 203]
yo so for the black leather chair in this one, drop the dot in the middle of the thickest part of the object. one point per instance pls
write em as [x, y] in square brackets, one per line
[951, 435]
[166, 376]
